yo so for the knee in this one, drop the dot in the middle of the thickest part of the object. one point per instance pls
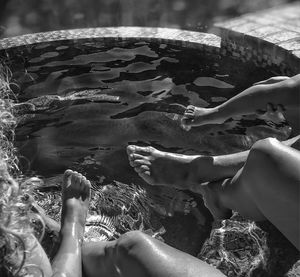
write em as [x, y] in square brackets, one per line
[131, 241]
[263, 152]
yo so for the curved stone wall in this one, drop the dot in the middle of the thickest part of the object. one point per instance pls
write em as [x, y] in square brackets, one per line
[164, 35]
[270, 39]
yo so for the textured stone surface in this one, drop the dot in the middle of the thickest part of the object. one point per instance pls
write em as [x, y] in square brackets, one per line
[270, 38]
[171, 36]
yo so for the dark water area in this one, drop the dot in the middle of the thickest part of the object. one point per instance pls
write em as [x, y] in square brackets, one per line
[92, 101]
[146, 87]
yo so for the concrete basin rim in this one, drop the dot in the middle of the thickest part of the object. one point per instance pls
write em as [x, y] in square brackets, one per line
[173, 36]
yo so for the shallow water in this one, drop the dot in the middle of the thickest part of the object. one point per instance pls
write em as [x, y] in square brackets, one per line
[145, 88]
[148, 85]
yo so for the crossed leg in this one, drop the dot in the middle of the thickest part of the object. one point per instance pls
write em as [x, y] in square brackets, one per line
[267, 187]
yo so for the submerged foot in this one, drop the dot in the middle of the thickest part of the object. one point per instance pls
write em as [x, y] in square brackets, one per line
[195, 116]
[161, 168]
[75, 198]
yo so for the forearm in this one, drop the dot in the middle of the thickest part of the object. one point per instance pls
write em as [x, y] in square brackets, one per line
[256, 98]
[67, 262]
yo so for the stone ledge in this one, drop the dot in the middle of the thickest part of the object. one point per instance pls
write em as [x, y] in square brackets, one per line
[167, 35]
[269, 38]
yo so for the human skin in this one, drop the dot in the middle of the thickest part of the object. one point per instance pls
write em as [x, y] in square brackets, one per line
[133, 254]
[182, 171]
[274, 97]
[67, 262]
[266, 187]
[274, 165]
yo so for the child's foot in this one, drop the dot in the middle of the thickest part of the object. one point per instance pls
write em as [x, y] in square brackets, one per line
[75, 198]
[161, 168]
[194, 116]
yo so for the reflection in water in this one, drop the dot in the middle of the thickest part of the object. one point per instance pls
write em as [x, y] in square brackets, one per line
[90, 102]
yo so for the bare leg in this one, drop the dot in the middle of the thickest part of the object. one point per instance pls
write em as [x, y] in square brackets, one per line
[182, 171]
[76, 194]
[266, 188]
[273, 98]
[136, 254]
[67, 262]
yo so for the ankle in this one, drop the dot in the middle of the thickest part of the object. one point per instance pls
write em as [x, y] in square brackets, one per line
[214, 115]
[215, 199]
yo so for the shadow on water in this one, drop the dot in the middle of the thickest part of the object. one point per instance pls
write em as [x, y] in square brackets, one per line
[88, 102]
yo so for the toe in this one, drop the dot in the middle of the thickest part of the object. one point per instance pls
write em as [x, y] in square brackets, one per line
[190, 108]
[134, 157]
[189, 115]
[67, 177]
[87, 188]
[130, 149]
[83, 181]
[142, 169]
[142, 150]
[76, 179]
[136, 163]
[68, 173]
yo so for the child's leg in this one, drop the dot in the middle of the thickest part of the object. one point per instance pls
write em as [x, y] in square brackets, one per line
[137, 254]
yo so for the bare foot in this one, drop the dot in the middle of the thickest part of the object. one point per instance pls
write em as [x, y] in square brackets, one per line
[195, 116]
[168, 169]
[161, 168]
[76, 199]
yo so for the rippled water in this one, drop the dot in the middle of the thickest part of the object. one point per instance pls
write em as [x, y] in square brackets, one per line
[133, 93]
[147, 85]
